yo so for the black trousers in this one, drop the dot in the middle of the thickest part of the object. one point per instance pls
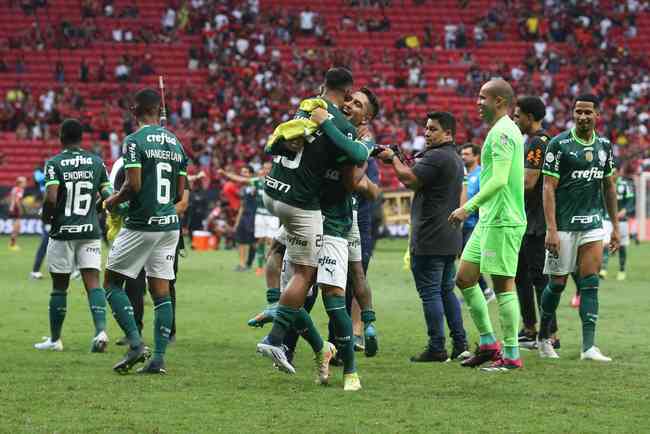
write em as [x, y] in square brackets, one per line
[531, 280]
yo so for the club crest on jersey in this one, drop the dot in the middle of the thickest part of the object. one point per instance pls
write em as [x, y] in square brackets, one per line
[602, 157]
[589, 156]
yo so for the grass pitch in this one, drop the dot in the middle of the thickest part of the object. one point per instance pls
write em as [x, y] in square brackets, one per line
[216, 382]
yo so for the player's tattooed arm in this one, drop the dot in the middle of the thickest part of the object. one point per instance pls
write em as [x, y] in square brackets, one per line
[552, 241]
[611, 202]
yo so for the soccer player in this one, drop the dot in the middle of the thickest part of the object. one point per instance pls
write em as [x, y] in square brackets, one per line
[530, 279]
[292, 192]
[470, 154]
[16, 210]
[266, 224]
[578, 166]
[626, 205]
[155, 165]
[74, 178]
[245, 221]
[494, 245]
[338, 218]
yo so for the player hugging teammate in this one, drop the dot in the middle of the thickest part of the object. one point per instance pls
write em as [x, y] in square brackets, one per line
[316, 154]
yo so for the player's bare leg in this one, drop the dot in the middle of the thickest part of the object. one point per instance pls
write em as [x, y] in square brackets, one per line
[15, 231]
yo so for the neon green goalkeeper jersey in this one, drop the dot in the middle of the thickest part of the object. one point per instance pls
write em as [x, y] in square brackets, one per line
[506, 208]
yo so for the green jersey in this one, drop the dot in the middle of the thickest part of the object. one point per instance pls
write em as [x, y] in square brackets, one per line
[580, 168]
[625, 198]
[81, 176]
[258, 184]
[336, 202]
[162, 160]
[297, 179]
[506, 208]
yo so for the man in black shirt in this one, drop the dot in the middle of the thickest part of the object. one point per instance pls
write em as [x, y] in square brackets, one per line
[437, 179]
[529, 113]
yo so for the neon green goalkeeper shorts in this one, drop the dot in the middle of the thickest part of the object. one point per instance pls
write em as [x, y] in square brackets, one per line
[495, 249]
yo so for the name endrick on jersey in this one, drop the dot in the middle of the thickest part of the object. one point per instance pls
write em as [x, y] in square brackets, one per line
[78, 175]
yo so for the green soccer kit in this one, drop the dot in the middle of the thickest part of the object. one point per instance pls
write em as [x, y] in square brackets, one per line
[495, 242]
[580, 168]
[162, 160]
[80, 175]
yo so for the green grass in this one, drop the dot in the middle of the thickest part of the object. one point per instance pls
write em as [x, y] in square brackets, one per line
[217, 383]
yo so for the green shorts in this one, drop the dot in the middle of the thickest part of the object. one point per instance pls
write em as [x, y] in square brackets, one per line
[496, 249]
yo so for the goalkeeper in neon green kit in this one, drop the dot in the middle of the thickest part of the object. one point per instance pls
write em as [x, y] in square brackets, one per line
[493, 247]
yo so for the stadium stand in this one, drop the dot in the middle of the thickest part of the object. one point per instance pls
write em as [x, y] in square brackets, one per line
[234, 68]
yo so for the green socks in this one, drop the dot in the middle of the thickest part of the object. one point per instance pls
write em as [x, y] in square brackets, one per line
[285, 317]
[272, 295]
[97, 303]
[162, 325]
[260, 254]
[335, 308]
[509, 320]
[478, 310]
[588, 309]
[368, 316]
[550, 301]
[306, 328]
[57, 309]
[123, 313]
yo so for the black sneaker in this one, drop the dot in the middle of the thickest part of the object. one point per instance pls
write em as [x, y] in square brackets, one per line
[133, 356]
[460, 352]
[431, 356]
[527, 340]
[153, 367]
[337, 360]
[556, 343]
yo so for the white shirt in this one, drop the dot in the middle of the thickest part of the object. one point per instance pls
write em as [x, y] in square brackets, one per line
[242, 45]
[307, 20]
[220, 21]
[186, 109]
[121, 70]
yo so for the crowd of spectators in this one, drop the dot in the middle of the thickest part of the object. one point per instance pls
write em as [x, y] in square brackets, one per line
[255, 73]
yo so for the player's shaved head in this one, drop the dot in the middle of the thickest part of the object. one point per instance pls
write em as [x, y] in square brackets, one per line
[498, 87]
[495, 99]
[147, 103]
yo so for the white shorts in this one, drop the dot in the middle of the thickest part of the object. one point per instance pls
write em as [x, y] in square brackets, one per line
[281, 236]
[565, 263]
[624, 229]
[63, 256]
[266, 226]
[304, 230]
[333, 262]
[133, 250]
[354, 241]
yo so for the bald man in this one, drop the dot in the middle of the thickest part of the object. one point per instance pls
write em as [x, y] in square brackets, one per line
[494, 245]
